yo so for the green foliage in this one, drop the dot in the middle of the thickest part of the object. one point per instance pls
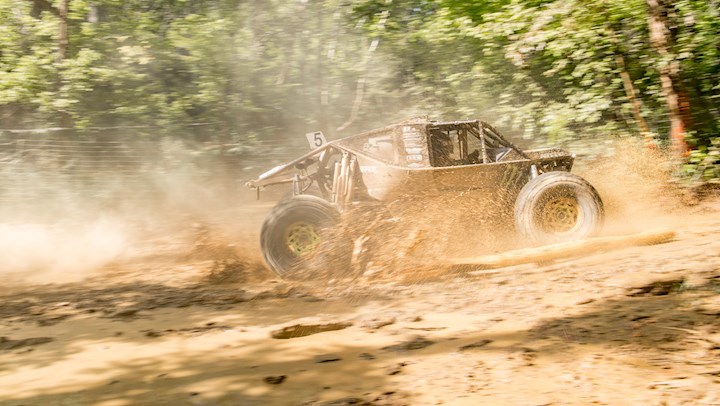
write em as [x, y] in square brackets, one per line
[548, 70]
[552, 70]
[703, 165]
[245, 66]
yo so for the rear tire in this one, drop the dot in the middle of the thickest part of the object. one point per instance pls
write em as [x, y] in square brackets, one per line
[300, 239]
[558, 207]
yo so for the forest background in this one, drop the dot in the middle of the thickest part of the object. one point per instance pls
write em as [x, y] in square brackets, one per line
[546, 71]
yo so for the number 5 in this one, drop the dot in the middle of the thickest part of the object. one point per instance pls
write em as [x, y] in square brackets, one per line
[316, 139]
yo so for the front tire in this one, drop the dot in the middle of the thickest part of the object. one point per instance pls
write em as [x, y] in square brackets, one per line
[558, 207]
[300, 235]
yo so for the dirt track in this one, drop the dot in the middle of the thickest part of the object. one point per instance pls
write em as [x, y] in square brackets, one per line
[193, 324]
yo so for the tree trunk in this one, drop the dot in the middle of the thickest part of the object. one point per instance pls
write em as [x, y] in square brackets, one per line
[94, 13]
[631, 94]
[61, 12]
[661, 41]
[360, 87]
[63, 29]
[42, 5]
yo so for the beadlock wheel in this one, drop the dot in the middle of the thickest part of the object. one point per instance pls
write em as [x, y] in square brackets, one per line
[302, 239]
[299, 238]
[557, 207]
[560, 215]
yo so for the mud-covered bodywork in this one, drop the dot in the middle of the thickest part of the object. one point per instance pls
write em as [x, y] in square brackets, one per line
[424, 157]
[464, 168]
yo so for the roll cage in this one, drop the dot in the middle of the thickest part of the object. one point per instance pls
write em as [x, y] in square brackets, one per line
[412, 145]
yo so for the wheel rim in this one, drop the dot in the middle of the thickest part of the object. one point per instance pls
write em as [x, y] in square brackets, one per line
[560, 215]
[302, 239]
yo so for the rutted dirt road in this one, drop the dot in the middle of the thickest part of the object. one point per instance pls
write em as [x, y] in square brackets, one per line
[199, 323]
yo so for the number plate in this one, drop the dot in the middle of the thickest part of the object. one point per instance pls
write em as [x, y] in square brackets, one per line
[316, 139]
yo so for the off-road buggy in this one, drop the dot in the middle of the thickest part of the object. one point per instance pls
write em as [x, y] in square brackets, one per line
[533, 190]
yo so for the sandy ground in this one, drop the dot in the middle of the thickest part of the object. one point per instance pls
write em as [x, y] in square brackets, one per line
[188, 319]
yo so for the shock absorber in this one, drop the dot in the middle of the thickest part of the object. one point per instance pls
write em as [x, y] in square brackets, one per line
[336, 182]
[350, 183]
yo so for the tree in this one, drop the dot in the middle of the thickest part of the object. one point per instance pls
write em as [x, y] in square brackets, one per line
[548, 70]
[171, 64]
[662, 41]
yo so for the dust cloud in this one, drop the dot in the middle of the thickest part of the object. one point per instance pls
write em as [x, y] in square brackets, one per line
[68, 226]
[635, 184]
[182, 215]
[42, 253]
[415, 239]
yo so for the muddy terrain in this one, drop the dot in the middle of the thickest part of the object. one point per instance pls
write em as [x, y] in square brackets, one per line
[193, 317]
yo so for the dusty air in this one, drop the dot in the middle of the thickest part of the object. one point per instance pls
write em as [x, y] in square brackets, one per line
[361, 202]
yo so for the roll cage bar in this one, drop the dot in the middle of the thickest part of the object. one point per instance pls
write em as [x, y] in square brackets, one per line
[489, 137]
[487, 134]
